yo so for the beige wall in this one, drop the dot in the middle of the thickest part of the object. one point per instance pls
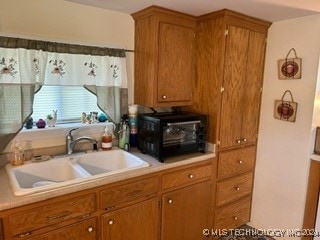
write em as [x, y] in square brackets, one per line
[62, 20]
[284, 148]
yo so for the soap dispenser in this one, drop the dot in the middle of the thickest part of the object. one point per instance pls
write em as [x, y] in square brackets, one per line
[106, 140]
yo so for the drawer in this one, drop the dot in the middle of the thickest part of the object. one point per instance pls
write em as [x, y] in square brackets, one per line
[233, 215]
[83, 230]
[112, 197]
[235, 162]
[234, 188]
[187, 176]
[23, 223]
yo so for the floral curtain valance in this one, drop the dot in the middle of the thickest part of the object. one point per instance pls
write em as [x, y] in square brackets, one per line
[22, 66]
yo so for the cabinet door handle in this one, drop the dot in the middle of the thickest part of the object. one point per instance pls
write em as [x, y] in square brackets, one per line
[170, 201]
[164, 97]
[237, 188]
[110, 222]
[240, 161]
[22, 235]
[58, 216]
[191, 176]
[90, 229]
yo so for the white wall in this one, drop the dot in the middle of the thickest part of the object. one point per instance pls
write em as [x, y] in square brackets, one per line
[69, 21]
[283, 147]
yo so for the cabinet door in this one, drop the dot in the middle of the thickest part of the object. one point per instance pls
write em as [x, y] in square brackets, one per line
[253, 87]
[186, 212]
[176, 63]
[234, 78]
[137, 222]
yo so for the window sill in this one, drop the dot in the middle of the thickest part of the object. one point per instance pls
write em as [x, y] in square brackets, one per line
[56, 136]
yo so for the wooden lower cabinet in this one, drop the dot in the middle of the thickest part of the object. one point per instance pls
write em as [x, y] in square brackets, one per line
[136, 222]
[186, 212]
[85, 230]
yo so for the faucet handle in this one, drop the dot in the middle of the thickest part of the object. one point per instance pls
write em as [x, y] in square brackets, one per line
[69, 133]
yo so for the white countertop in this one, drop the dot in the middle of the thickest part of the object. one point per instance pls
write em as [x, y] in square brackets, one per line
[315, 157]
[8, 200]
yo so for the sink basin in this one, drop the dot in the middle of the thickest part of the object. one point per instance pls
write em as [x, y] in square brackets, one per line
[116, 161]
[62, 171]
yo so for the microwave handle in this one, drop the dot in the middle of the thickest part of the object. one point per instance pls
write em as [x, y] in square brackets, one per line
[182, 123]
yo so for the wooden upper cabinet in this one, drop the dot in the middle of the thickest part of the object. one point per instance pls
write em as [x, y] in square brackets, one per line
[164, 57]
[242, 87]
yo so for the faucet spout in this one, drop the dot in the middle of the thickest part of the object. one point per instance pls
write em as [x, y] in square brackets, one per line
[70, 143]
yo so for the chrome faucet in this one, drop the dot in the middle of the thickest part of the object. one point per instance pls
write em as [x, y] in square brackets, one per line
[70, 143]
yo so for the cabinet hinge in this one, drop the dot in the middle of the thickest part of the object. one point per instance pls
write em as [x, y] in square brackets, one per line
[160, 204]
[261, 89]
[218, 142]
[222, 89]
[226, 32]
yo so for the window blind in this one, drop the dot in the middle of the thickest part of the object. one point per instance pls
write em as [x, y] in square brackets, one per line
[70, 101]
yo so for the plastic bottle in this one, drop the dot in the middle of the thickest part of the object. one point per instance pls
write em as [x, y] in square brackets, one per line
[18, 154]
[106, 140]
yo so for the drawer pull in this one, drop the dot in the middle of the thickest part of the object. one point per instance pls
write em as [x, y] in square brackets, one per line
[90, 229]
[237, 188]
[164, 97]
[238, 141]
[235, 218]
[22, 235]
[85, 216]
[110, 222]
[58, 216]
[240, 161]
[244, 140]
[191, 176]
[170, 201]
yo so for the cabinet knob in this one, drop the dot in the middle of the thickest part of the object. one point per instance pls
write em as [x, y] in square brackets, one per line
[164, 97]
[90, 229]
[170, 201]
[244, 140]
[110, 222]
[240, 161]
[235, 218]
[239, 141]
[237, 188]
[191, 176]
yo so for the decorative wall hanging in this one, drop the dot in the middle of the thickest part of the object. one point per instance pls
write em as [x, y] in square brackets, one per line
[290, 68]
[285, 110]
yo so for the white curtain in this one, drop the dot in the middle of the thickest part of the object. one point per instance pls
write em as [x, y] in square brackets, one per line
[23, 72]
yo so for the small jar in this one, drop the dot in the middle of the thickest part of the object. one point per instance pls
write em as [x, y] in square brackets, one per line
[17, 157]
[106, 140]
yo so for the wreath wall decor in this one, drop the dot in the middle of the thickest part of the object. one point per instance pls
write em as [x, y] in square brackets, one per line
[285, 110]
[290, 68]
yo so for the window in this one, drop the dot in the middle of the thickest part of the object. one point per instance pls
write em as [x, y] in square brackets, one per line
[70, 101]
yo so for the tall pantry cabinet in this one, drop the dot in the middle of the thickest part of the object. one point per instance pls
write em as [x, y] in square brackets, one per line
[230, 53]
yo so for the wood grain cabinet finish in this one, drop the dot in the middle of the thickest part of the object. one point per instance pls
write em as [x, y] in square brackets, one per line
[235, 162]
[136, 222]
[186, 177]
[234, 188]
[85, 230]
[164, 57]
[233, 215]
[24, 223]
[113, 198]
[186, 212]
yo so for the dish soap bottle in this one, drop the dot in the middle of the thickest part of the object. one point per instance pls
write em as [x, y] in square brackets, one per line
[106, 140]
[18, 154]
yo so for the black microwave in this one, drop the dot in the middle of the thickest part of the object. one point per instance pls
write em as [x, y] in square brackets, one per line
[168, 134]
